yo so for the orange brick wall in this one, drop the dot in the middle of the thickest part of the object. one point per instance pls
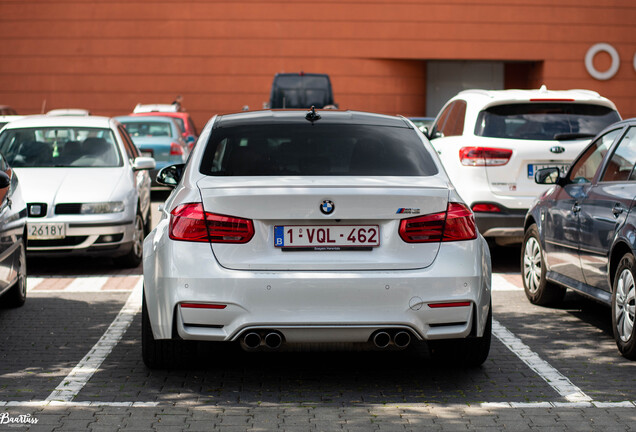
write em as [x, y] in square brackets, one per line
[107, 56]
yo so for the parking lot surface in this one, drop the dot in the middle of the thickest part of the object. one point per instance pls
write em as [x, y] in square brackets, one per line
[70, 360]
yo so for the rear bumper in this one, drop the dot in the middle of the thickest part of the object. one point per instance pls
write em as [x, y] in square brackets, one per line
[313, 306]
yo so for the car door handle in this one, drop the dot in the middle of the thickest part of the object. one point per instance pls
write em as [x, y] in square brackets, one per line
[576, 208]
[617, 210]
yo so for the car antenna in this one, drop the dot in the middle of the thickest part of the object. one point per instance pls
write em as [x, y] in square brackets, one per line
[312, 115]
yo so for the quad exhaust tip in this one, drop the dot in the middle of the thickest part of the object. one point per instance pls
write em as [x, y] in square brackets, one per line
[253, 341]
[383, 339]
[273, 340]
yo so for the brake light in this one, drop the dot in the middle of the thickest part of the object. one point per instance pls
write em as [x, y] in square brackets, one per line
[552, 100]
[484, 156]
[175, 149]
[455, 224]
[486, 208]
[189, 222]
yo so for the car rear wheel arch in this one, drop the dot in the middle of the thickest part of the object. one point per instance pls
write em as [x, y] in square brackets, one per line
[618, 251]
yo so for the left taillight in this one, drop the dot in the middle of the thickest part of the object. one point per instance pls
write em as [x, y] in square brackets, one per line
[455, 224]
[484, 156]
[175, 149]
[189, 222]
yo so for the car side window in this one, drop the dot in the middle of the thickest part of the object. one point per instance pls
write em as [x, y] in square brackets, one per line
[455, 123]
[585, 168]
[131, 149]
[439, 126]
[621, 165]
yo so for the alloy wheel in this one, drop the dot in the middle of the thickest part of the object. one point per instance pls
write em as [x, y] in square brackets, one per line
[625, 305]
[138, 236]
[532, 265]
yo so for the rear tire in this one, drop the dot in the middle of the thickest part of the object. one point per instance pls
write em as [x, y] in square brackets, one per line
[158, 354]
[533, 270]
[623, 305]
[133, 258]
[470, 352]
[16, 296]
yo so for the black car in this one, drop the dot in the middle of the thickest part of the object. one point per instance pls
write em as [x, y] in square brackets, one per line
[581, 234]
[301, 90]
[12, 239]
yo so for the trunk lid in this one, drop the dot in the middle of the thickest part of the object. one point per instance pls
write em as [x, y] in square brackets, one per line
[296, 201]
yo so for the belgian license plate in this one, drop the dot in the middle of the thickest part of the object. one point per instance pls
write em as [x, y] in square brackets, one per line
[322, 237]
[533, 168]
[46, 231]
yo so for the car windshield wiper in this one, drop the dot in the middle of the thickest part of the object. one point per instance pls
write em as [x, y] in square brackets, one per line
[572, 136]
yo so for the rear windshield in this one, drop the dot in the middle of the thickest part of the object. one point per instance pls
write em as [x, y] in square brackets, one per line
[148, 128]
[60, 147]
[544, 121]
[316, 150]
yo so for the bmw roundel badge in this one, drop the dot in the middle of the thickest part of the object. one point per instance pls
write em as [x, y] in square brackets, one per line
[327, 207]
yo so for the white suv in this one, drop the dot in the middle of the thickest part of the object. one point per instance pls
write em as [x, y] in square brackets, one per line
[491, 143]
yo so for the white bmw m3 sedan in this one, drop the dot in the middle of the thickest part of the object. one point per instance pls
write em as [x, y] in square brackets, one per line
[292, 228]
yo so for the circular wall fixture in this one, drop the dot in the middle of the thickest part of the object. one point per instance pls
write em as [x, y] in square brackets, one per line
[589, 61]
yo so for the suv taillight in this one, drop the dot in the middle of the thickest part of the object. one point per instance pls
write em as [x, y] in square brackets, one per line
[175, 149]
[455, 224]
[484, 156]
[189, 222]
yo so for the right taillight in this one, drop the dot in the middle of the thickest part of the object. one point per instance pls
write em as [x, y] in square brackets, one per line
[189, 222]
[455, 224]
[484, 156]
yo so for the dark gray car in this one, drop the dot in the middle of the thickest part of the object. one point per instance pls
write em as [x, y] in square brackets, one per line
[581, 233]
[12, 239]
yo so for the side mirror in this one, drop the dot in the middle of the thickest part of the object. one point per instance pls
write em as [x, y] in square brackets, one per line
[5, 180]
[547, 176]
[144, 163]
[171, 175]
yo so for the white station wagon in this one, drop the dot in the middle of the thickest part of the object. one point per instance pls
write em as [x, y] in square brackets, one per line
[492, 142]
[295, 227]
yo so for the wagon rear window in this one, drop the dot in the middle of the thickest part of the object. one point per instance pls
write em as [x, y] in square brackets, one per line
[544, 121]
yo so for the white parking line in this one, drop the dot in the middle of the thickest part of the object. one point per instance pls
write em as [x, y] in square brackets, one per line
[79, 376]
[87, 284]
[560, 383]
[499, 283]
[486, 405]
[32, 282]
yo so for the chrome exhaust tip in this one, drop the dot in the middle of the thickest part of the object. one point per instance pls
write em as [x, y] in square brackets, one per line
[273, 340]
[381, 339]
[402, 339]
[252, 340]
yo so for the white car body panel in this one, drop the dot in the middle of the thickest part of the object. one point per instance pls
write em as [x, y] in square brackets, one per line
[320, 296]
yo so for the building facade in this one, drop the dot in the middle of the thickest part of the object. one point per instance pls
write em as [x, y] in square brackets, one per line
[397, 57]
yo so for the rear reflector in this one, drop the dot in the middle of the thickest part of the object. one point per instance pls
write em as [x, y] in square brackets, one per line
[455, 224]
[484, 156]
[486, 208]
[449, 304]
[202, 306]
[188, 222]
